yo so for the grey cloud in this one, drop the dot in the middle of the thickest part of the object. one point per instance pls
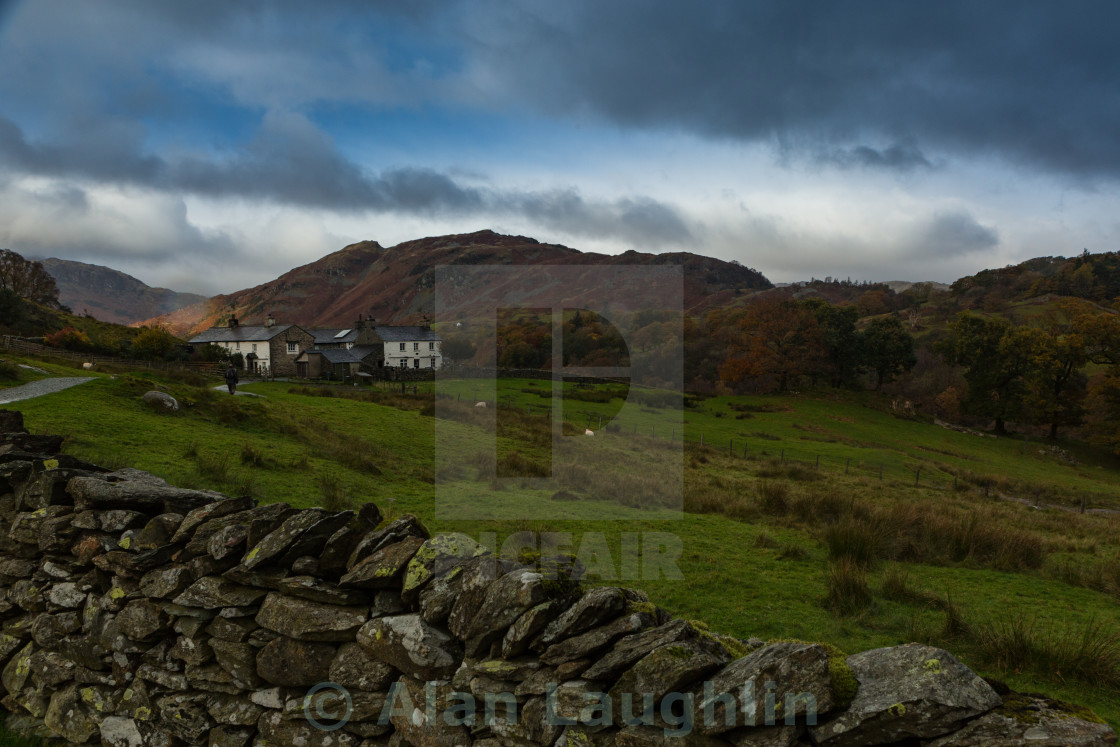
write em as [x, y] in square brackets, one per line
[641, 220]
[897, 157]
[291, 162]
[70, 222]
[951, 234]
[1031, 81]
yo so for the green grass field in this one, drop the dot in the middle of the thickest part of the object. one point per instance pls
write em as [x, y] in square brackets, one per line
[1022, 593]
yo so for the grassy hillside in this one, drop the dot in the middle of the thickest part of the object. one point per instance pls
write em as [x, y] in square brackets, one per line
[773, 544]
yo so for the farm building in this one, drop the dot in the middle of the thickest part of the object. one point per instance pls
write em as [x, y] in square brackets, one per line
[269, 349]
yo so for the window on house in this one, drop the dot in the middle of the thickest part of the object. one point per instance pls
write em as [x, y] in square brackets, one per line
[402, 347]
[238, 345]
[415, 347]
[404, 363]
[254, 347]
[416, 363]
[433, 363]
[293, 348]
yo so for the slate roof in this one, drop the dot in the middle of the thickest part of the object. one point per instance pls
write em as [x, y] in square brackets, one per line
[406, 334]
[241, 333]
[361, 351]
[336, 355]
[334, 336]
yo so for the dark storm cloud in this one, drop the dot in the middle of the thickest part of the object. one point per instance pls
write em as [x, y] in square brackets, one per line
[897, 157]
[1034, 82]
[291, 162]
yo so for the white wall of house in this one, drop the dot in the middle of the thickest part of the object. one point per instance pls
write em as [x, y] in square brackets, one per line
[261, 347]
[413, 354]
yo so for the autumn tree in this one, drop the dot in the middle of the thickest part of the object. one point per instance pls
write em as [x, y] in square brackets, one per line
[27, 279]
[776, 340]
[1055, 382]
[153, 343]
[458, 347]
[886, 348]
[69, 338]
[872, 303]
[1099, 330]
[838, 333]
[996, 358]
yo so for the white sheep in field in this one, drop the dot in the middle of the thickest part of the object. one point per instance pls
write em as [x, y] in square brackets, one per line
[480, 404]
[589, 432]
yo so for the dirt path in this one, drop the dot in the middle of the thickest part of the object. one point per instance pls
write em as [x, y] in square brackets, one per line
[41, 387]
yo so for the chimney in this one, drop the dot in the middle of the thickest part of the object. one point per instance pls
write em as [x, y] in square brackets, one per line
[270, 322]
[233, 322]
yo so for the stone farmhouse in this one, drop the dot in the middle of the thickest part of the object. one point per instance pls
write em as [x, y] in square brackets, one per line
[368, 346]
[335, 353]
[269, 349]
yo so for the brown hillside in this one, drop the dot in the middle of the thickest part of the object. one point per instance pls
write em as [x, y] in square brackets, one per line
[110, 295]
[395, 284]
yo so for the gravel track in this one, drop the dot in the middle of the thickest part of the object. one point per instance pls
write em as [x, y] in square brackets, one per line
[41, 387]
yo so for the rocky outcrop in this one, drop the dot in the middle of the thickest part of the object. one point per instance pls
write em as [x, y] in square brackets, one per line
[136, 613]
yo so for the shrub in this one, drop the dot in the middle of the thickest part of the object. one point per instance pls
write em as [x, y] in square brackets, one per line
[250, 456]
[335, 496]
[765, 540]
[214, 466]
[896, 585]
[8, 371]
[858, 542]
[1090, 654]
[793, 552]
[69, 338]
[773, 497]
[847, 587]
[514, 464]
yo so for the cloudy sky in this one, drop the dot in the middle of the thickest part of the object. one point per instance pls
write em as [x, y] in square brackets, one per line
[211, 145]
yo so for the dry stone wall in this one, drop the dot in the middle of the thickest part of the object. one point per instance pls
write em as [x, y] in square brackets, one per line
[133, 612]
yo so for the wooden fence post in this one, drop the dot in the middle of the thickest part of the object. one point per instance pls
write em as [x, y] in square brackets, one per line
[847, 463]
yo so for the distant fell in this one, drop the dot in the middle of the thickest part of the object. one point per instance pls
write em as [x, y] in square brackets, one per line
[110, 295]
[396, 284]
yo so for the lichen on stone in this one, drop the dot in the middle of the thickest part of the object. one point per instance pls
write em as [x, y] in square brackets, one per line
[845, 685]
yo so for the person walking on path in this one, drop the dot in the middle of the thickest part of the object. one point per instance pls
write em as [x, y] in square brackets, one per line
[231, 379]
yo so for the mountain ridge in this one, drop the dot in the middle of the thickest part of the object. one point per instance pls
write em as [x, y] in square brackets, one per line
[395, 284]
[110, 295]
